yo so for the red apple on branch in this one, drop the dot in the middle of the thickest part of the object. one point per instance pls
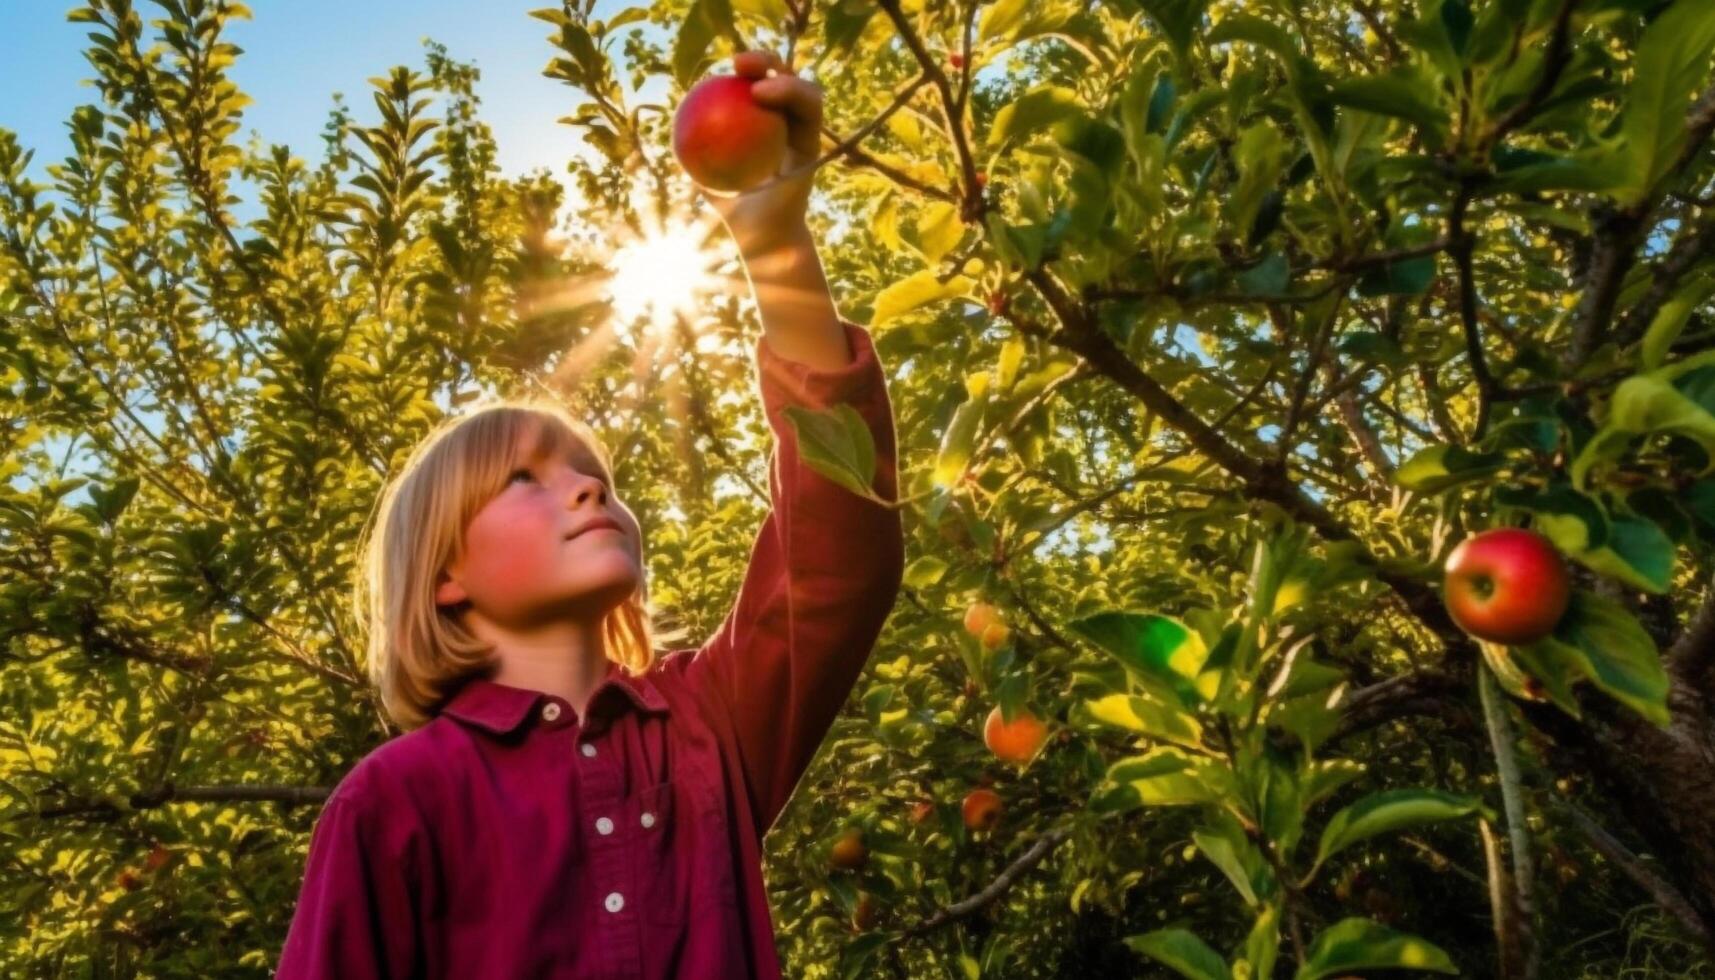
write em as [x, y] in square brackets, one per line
[1508, 585]
[724, 139]
[981, 809]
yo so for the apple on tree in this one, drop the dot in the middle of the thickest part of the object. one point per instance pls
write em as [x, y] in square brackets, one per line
[848, 852]
[1017, 741]
[1508, 585]
[981, 809]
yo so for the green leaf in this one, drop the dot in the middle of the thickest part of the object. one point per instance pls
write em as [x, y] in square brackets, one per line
[957, 443]
[1359, 944]
[1178, 19]
[845, 21]
[1262, 944]
[1146, 717]
[705, 21]
[1439, 468]
[1601, 640]
[837, 444]
[1002, 19]
[1181, 950]
[1160, 652]
[1406, 277]
[1402, 94]
[1327, 775]
[1671, 62]
[1270, 277]
[1167, 777]
[1665, 328]
[916, 290]
[1228, 849]
[1658, 401]
[1638, 552]
[938, 230]
[1368, 345]
[1389, 810]
[1260, 156]
[925, 571]
[1031, 113]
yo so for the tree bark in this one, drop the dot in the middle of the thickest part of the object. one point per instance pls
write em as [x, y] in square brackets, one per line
[1661, 781]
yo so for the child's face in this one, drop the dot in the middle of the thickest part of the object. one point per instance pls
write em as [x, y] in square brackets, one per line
[521, 569]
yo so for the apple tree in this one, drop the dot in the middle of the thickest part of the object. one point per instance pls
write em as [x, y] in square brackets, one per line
[1213, 328]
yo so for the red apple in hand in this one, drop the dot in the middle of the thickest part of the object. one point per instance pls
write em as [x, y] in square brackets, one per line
[724, 139]
[1508, 585]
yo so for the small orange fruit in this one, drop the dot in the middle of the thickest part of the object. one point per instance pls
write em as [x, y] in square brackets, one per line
[1017, 742]
[979, 617]
[848, 851]
[995, 636]
[981, 809]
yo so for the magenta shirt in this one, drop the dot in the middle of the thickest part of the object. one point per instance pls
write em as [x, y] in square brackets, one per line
[510, 838]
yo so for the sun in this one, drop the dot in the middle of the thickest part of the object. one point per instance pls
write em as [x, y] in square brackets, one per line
[661, 276]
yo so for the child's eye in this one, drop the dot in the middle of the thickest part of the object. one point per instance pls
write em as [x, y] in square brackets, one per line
[531, 476]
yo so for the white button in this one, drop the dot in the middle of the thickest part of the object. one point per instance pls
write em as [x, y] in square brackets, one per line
[588, 750]
[615, 901]
[648, 819]
[604, 825]
[550, 711]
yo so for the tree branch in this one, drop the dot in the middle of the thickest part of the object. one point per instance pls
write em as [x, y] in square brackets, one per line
[111, 808]
[1671, 900]
[1033, 856]
[1463, 243]
[1512, 798]
[1554, 63]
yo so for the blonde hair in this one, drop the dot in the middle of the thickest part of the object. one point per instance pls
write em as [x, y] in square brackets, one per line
[418, 652]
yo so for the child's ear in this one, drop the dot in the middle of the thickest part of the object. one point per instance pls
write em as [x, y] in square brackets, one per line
[449, 592]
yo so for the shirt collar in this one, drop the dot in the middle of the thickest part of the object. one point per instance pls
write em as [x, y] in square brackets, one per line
[501, 708]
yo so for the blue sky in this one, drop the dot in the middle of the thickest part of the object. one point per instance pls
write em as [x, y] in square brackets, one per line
[297, 54]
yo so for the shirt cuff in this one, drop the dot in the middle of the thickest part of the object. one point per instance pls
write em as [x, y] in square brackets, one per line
[787, 382]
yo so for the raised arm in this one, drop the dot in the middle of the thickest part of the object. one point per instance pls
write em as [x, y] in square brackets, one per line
[823, 575]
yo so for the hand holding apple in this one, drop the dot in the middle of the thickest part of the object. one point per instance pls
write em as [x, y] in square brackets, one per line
[755, 172]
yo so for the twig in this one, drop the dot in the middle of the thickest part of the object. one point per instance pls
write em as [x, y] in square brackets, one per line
[1554, 62]
[1033, 856]
[1463, 243]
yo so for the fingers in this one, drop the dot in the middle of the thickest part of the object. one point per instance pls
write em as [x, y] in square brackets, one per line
[792, 95]
[756, 64]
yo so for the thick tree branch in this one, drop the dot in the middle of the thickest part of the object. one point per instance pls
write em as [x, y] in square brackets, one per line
[1694, 650]
[1671, 900]
[1261, 479]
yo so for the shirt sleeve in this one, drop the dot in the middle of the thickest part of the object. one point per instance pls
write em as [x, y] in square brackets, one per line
[356, 916]
[823, 575]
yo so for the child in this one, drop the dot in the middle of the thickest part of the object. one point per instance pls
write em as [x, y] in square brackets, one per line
[563, 802]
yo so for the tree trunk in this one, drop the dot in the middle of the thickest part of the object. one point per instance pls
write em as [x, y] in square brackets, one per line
[1662, 781]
